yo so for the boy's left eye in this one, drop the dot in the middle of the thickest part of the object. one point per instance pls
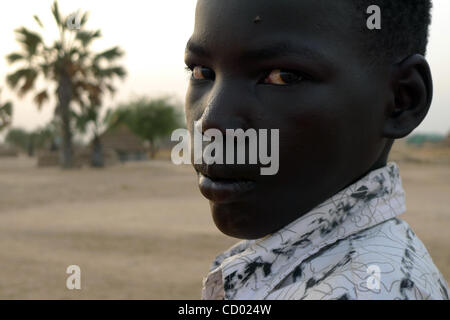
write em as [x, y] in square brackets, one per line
[282, 77]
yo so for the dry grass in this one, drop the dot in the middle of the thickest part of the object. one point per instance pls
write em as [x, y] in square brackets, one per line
[142, 231]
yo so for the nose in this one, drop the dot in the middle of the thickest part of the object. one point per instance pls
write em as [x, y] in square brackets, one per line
[228, 107]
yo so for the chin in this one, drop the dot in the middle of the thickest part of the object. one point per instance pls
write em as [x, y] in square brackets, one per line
[238, 220]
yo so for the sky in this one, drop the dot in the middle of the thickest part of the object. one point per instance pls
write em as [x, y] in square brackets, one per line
[153, 33]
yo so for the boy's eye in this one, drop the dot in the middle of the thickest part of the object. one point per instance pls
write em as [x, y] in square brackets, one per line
[202, 73]
[282, 77]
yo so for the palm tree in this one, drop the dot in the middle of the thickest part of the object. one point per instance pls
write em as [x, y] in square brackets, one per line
[5, 114]
[91, 119]
[80, 75]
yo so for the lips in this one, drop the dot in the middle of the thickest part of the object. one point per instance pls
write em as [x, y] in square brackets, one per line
[220, 190]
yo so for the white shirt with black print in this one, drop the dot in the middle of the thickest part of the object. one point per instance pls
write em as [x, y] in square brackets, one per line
[352, 246]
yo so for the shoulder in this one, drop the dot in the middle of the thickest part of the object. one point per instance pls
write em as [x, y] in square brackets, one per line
[386, 262]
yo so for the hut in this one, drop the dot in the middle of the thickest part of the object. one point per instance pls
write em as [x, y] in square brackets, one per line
[118, 144]
[127, 145]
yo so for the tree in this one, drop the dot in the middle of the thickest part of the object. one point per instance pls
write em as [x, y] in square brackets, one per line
[29, 141]
[5, 114]
[151, 119]
[45, 137]
[91, 118]
[18, 138]
[80, 75]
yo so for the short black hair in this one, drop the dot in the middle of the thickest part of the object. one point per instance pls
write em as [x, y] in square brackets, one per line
[404, 29]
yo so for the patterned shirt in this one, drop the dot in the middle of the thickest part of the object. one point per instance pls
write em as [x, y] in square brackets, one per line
[352, 246]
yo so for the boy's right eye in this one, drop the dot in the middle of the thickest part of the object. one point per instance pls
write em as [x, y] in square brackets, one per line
[202, 73]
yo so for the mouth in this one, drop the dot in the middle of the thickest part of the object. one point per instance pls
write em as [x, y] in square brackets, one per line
[220, 190]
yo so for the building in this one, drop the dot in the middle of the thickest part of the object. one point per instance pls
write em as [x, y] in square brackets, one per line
[127, 145]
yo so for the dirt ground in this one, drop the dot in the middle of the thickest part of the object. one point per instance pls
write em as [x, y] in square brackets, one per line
[142, 230]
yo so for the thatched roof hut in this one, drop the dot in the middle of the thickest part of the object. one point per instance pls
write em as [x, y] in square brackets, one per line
[125, 143]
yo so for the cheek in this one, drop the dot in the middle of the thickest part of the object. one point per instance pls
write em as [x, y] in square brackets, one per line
[310, 124]
[193, 106]
[362, 122]
[310, 138]
[323, 128]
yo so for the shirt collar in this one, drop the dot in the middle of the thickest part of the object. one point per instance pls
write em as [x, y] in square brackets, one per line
[251, 269]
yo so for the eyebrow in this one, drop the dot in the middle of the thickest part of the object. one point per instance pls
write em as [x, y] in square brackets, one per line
[281, 49]
[267, 52]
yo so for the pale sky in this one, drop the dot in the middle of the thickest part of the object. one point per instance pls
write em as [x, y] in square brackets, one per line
[153, 34]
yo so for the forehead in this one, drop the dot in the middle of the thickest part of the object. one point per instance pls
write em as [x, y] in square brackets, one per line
[229, 26]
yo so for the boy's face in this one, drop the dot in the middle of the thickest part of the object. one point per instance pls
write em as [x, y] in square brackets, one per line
[328, 108]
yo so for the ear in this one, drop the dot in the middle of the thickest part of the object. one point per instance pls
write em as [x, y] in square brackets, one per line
[412, 87]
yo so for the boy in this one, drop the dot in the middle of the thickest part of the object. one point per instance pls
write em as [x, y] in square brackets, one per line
[325, 226]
